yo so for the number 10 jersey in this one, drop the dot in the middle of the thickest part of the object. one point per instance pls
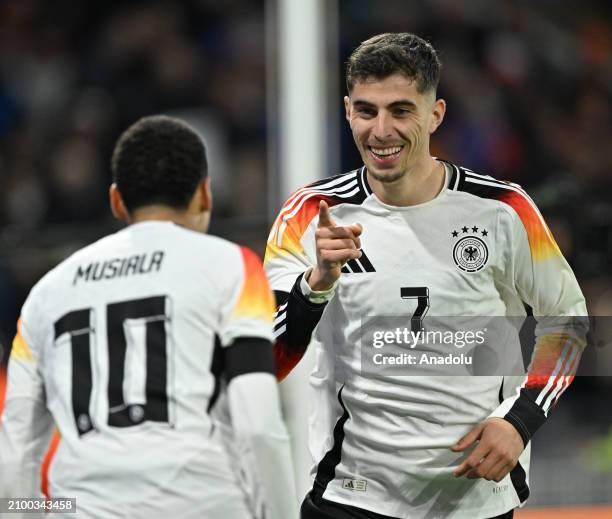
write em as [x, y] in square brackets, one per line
[121, 347]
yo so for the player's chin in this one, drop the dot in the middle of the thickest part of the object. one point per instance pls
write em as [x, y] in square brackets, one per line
[386, 176]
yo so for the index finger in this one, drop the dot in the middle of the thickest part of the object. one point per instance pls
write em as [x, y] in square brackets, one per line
[325, 219]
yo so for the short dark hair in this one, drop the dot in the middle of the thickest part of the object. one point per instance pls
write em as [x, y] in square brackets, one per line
[386, 54]
[158, 160]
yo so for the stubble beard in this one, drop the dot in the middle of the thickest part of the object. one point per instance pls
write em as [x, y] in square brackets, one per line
[387, 179]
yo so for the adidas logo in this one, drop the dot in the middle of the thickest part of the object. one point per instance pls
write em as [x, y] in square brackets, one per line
[358, 266]
[355, 484]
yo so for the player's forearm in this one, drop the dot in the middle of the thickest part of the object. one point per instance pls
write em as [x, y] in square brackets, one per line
[26, 425]
[272, 455]
[296, 318]
[551, 370]
[25, 432]
[263, 442]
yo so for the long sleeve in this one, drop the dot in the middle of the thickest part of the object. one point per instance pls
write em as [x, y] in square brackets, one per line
[263, 442]
[295, 320]
[254, 403]
[545, 281]
[26, 425]
[290, 252]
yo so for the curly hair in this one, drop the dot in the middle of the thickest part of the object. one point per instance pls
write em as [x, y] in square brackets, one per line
[386, 54]
[158, 160]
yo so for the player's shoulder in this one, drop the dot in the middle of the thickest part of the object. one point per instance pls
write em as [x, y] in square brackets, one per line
[47, 285]
[508, 195]
[55, 273]
[227, 255]
[196, 251]
[185, 245]
[207, 243]
[302, 206]
[346, 188]
[222, 255]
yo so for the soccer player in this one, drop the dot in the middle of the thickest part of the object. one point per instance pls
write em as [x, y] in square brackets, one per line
[127, 345]
[434, 238]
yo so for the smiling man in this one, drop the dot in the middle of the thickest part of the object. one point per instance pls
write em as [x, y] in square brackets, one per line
[391, 120]
[432, 239]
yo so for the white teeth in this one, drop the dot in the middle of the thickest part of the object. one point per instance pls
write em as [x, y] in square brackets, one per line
[386, 151]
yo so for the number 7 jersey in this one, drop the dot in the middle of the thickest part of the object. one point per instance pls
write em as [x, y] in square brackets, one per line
[480, 248]
[121, 347]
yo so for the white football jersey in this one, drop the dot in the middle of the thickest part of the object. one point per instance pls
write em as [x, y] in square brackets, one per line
[121, 343]
[479, 248]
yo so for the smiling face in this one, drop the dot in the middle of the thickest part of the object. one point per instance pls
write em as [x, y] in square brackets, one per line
[391, 123]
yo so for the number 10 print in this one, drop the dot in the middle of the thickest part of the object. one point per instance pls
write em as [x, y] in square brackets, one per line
[122, 321]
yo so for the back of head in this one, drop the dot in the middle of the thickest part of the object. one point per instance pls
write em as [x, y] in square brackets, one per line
[159, 160]
[386, 54]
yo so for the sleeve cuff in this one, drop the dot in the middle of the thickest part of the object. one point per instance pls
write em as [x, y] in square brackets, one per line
[316, 296]
[526, 416]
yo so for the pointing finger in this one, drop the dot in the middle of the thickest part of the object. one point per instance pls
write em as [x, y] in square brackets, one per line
[325, 219]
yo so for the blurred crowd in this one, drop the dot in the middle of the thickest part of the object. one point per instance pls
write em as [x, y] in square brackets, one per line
[528, 86]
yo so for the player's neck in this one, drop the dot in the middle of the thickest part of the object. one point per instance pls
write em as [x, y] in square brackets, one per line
[160, 213]
[420, 184]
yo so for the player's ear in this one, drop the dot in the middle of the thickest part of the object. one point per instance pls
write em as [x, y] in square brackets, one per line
[205, 195]
[437, 112]
[117, 205]
[347, 108]
[200, 207]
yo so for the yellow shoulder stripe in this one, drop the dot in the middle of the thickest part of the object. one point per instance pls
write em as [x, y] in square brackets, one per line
[21, 350]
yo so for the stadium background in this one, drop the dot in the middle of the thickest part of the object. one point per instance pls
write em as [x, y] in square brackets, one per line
[528, 86]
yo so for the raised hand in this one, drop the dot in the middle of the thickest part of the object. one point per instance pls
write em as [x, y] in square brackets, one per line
[335, 246]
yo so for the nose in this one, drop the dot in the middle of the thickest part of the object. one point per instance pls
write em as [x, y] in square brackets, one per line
[382, 126]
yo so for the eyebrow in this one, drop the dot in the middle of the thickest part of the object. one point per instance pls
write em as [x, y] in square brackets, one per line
[360, 103]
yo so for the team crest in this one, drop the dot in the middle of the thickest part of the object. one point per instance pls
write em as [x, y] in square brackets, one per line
[470, 252]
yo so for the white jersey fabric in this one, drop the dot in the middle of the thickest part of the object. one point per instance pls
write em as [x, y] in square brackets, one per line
[382, 443]
[119, 347]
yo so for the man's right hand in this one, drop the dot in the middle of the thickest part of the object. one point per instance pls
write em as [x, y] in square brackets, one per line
[335, 246]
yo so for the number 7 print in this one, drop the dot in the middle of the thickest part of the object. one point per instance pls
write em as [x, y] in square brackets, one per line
[421, 294]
